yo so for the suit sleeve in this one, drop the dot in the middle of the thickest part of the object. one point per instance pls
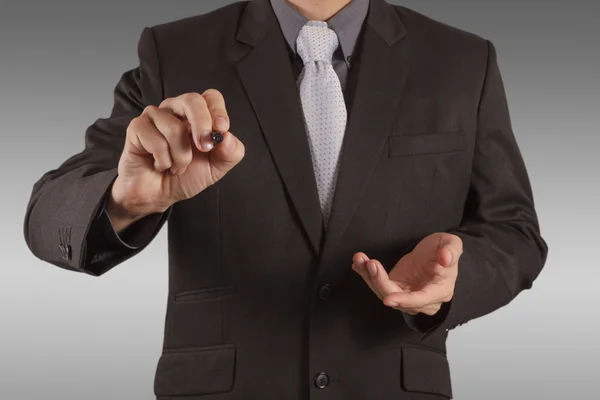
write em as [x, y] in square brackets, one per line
[107, 248]
[65, 223]
[503, 251]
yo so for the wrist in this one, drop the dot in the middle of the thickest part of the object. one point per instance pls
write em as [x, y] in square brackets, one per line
[121, 210]
[120, 217]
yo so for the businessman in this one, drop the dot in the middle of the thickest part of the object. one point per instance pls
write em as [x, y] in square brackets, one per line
[368, 197]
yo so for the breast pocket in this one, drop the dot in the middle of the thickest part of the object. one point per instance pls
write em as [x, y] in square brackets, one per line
[427, 143]
[426, 178]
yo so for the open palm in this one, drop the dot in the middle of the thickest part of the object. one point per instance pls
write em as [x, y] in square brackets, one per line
[421, 280]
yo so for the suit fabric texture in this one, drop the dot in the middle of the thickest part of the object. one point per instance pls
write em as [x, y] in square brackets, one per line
[262, 301]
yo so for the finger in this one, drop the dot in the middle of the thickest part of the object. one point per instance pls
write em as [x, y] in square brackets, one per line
[407, 300]
[359, 267]
[445, 257]
[216, 106]
[193, 107]
[419, 299]
[365, 275]
[381, 279]
[177, 133]
[147, 140]
[450, 249]
[360, 260]
[227, 154]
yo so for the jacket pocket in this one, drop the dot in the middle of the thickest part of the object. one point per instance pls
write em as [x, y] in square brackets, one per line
[195, 371]
[196, 317]
[426, 143]
[211, 293]
[425, 371]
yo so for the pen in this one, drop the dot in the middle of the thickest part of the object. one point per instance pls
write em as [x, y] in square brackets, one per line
[217, 137]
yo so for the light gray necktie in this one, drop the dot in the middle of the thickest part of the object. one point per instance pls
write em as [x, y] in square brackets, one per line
[324, 107]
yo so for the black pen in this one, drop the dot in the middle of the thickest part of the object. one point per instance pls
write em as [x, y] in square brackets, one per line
[217, 137]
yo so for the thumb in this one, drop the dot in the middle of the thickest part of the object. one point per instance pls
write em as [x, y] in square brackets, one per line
[449, 250]
[228, 153]
[445, 256]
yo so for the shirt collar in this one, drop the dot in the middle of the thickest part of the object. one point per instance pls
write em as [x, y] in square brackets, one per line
[347, 23]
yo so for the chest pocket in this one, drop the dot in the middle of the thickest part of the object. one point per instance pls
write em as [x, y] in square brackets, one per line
[426, 143]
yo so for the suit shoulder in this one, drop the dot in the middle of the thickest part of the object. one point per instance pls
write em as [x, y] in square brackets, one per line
[215, 22]
[435, 32]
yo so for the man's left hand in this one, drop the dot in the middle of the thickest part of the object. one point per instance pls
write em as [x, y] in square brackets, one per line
[421, 281]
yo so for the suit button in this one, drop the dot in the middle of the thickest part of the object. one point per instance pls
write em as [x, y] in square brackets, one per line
[325, 291]
[321, 380]
[65, 250]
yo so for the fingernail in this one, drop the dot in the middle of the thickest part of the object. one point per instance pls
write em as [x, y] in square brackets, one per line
[206, 140]
[451, 257]
[372, 269]
[222, 124]
[363, 261]
[361, 264]
[393, 304]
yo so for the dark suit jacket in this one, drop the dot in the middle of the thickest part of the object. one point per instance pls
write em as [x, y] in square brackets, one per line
[429, 147]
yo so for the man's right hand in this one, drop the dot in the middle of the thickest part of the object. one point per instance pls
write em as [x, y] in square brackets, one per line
[168, 156]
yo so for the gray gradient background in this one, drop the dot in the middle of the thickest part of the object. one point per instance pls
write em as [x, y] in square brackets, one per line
[70, 336]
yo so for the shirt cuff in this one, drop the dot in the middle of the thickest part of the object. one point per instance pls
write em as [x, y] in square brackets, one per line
[106, 247]
[135, 235]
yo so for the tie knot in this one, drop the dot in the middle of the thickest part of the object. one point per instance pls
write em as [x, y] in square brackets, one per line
[316, 42]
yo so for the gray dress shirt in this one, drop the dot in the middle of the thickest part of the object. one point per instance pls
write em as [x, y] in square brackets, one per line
[347, 24]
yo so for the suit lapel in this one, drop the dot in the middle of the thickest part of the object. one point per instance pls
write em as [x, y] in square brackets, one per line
[383, 67]
[267, 76]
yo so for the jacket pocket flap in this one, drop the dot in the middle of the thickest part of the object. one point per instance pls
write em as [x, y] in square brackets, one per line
[210, 293]
[195, 371]
[425, 371]
[427, 143]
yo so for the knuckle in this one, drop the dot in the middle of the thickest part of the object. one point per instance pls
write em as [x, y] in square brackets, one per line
[193, 97]
[150, 108]
[189, 95]
[162, 148]
[211, 92]
[162, 161]
[167, 101]
[174, 129]
[162, 165]
[184, 158]
[135, 125]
